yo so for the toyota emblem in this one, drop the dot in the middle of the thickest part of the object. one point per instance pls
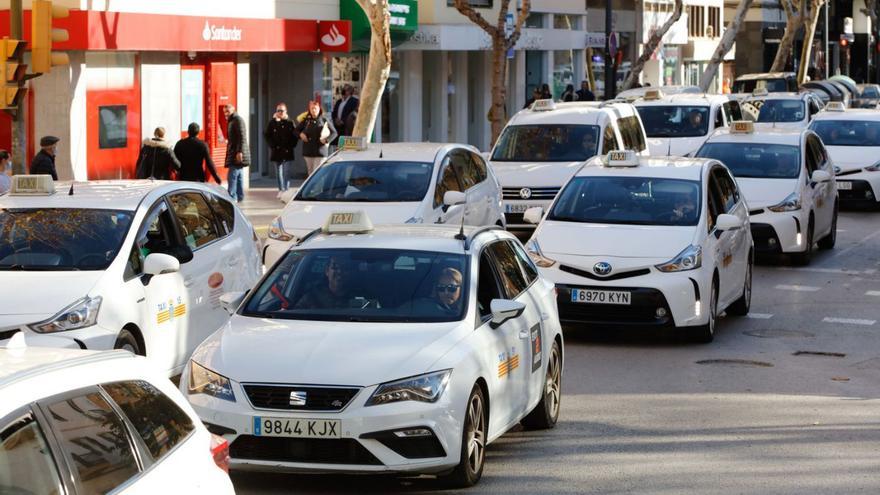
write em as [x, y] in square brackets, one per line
[602, 268]
[525, 193]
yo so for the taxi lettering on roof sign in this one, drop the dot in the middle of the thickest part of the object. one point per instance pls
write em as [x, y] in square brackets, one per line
[622, 158]
[543, 105]
[742, 127]
[349, 143]
[835, 106]
[653, 94]
[760, 92]
[32, 185]
[347, 222]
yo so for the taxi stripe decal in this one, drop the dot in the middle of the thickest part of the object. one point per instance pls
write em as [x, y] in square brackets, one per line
[505, 367]
[180, 310]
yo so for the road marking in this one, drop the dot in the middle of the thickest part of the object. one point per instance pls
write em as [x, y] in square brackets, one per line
[841, 271]
[875, 293]
[870, 271]
[849, 321]
[759, 316]
[798, 288]
[857, 244]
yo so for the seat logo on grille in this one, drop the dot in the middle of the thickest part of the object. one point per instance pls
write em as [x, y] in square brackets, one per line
[602, 268]
[298, 397]
[525, 193]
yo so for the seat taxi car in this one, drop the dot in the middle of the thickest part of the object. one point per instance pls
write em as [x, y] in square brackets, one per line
[677, 125]
[542, 146]
[395, 349]
[135, 265]
[783, 110]
[852, 138]
[74, 421]
[647, 242]
[787, 179]
[393, 183]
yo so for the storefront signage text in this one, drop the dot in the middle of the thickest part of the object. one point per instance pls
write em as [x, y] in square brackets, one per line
[214, 33]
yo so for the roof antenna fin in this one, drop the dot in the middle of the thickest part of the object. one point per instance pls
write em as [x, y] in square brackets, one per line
[70, 192]
[380, 152]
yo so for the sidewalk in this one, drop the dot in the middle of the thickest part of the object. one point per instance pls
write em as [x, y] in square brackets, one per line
[261, 205]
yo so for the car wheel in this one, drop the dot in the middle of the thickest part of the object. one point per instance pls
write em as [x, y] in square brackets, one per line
[830, 240]
[545, 414]
[127, 341]
[741, 306]
[706, 333]
[803, 259]
[473, 443]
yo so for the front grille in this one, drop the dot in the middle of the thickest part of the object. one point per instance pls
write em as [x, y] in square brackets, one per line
[311, 450]
[317, 398]
[7, 334]
[615, 276]
[861, 191]
[766, 240]
[538, 193]
[641, 311]
[756, 212]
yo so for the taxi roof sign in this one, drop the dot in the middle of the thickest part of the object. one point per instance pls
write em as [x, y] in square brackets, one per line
[544, 105]
[347, 222]
[351, 143]
[32, 185]
[653, 94]
[742, 127]
[835, 106]
[760, 92]
[622, 158]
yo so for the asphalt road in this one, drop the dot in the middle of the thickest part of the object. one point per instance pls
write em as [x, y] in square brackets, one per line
[752, 412]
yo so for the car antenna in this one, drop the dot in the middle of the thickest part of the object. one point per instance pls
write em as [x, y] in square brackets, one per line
[669, 148]
[380, 152]
[70, 192]
[460, 236]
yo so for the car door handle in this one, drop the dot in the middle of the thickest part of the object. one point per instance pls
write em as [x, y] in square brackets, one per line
[231, 261]
[188, 281]
[524, 334]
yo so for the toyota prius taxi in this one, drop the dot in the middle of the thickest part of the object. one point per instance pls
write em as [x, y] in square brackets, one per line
[395, 349]
[647, 242]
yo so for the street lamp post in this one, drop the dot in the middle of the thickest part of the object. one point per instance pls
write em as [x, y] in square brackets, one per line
[609, 68]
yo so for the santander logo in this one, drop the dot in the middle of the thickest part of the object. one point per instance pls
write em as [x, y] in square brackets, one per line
[222, 33]
[333, 38]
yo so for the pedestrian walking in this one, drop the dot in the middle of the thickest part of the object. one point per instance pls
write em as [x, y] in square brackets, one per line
[343, 110]
[545, 92]
[238, 154]
[194, 156]
[316, 132]
[44, 161]
[584, 94]
[5, 171]
[156, 159]
[568, 94]
[281, 136]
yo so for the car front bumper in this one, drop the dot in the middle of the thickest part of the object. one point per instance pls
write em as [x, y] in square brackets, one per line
[777, 233]
[859, 189]
[94, 337]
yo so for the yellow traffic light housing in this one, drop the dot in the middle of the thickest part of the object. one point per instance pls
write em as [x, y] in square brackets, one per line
[13, 73]
[43, 34]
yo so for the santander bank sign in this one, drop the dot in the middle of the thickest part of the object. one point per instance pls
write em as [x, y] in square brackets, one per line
[212, 32]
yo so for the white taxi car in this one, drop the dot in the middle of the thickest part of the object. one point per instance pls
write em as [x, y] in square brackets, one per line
[647, 242]
[393, 183]
[399, 349]
[544, 145]
[135, 265]
[852, 138]
[787, 179]
[783, 110]
[74, 421]
[677, 125]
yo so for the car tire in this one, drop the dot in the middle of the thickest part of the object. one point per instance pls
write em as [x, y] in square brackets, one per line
[803, 259]
[830, 240]
[128, 342]
[545, 414]
[706, 333]
[473, 443]
[741, 306]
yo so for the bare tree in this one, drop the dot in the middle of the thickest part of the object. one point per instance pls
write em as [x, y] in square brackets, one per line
[501, 42]
[810, 19]
[794, 20]
[378, 68]
[725, 44]
[651, 45]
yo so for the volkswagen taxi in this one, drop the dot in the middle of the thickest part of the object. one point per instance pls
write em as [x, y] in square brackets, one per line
[676, 125]
[394, 349]
[783, 110]
[393, 183]
[786, 177]
[135, 265]
[852, 138]
[542, 146]
[647, 242]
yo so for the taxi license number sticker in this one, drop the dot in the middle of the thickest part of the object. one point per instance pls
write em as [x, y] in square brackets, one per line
[297, 428]
[342, 218]
[844, 186]
[515, 207]
[600, 296]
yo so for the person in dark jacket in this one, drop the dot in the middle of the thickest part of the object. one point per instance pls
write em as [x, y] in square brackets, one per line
[281, 136]
[156, 159]
[194, 157]
[44, 161]
[584, 94]
[342, 111]
[536, 95]
[238, 154]
[316, 132]
[568, 94]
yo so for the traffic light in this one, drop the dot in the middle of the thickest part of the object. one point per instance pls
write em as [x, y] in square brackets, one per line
[43, 34]
[13, 73]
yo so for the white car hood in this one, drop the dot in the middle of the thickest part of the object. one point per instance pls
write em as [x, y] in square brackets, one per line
[675, 146]
[42, 294]
[317, 352]
[624, 241]
[848, 158]
[534, 174]
[761, 193]
[301, 217]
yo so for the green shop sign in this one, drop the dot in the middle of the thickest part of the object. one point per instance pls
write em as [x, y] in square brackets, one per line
[404, 22]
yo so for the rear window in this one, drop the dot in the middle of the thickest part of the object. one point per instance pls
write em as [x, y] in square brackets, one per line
[763, 161]
[547, 143]
[782, 111]
[847, 132]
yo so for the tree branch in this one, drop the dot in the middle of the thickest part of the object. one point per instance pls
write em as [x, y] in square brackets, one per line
[652, 44]
[465, 9]
[520, 22]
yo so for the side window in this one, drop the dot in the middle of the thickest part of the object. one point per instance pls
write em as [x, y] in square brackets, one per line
[719, 118]
[487, 285]
[511, 274]
[525, 263]
[638, 137]
[96, 441]
[197, 224]
[609, 141]
[447, 182]
[625, 134]
[156, 235]
[735, 111]
[223, 211]
[726, 190]
[159, 421]
[464, 168]
[26, 464]
[713, 202]
[811, 156]
[480, 166]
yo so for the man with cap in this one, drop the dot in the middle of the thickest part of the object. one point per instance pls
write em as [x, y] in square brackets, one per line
[44, 161]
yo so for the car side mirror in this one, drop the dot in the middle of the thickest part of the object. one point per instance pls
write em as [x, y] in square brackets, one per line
[160, 264]
[820, 176]
[230, 301]
[533, 215]
[503, 310]
[726, 221]
[288, 195]
[452, 198]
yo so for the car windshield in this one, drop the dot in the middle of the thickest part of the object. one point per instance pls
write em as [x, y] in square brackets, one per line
[870, 92]
[756, 160]
[674, 120]
[547, 143]
[629, 200]
[772, 85]
[848, 132]
[776, 110]
[61, 238]
[378, 181]
[375, 285]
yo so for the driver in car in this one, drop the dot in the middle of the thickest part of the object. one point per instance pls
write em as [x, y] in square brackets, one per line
[684, 207]
[695, 119]
[335, 292]
[445, 295]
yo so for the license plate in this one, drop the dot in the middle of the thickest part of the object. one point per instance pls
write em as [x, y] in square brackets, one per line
[516, 207]
[844, 186]
[297, 428]
[600, 296]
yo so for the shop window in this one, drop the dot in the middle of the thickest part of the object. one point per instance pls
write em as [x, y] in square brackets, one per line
[565, 21]
[112, 127]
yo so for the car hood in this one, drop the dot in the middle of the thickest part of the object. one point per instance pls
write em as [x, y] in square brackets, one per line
[301, 217]
[588, 240]
[534, 174]
[675, 146]
[315, 352]
[43, 294]
[760, 193]
[848, 158]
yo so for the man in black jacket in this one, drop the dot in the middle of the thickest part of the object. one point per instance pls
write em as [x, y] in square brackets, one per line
[156, 159]
[281, 136]
[584, 94]
[194, 157]
[238, 154]
[342, 110]
[44, 161]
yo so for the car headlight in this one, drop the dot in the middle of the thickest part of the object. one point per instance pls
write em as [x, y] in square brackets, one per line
[83, 313]
[423, 388]
[791, 203]
[689, 259]
[276, 231]
[204, 381]
[534, 250]
[873, 168]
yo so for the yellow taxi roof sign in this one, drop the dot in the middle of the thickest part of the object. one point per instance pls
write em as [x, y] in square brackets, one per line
[742, 127]
[835, 106]
[347, 222]
[351, 143]
[653, 94]
[32, 185]
[622, 158]
[544, 105]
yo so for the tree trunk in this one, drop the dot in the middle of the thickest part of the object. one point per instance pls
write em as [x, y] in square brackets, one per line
[725, 44]
[809, 32]
[378, 68]
[792, 26]
[498, 110]
[590, 75]
[651, 46]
